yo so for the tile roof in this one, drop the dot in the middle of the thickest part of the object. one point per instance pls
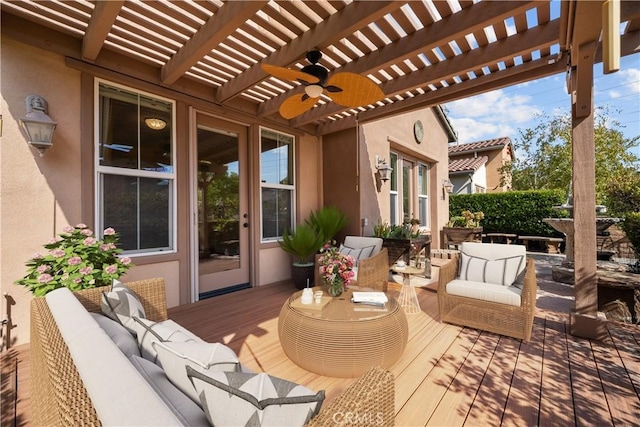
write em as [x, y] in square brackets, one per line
[467, 164]
[480, 145]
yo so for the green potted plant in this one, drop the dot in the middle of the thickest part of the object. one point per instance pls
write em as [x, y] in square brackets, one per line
[76, 260]
[302, 243]
[328, 221]
[401, 240]
[463, 228]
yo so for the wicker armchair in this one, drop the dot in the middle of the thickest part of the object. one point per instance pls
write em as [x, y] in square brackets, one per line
[510, 320]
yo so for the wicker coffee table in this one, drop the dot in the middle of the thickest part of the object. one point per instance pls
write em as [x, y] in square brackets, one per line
[342, 339]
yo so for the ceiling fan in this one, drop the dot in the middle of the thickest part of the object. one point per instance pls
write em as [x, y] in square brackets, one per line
[347, 89]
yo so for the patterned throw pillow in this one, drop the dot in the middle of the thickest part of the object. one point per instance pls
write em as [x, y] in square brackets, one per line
[242, 399]
[120, 335]
[501, 271]
[203, 357]
[150, 332]
[121, 304]
[356, 253]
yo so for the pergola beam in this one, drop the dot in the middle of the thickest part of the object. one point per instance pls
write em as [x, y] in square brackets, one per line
[337, 26]
[454, 26]
[211, 34]
[510, 47]
[102, 19]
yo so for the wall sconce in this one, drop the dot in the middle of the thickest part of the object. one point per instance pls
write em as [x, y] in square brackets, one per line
[37, 125]
[383, 169]
[447, 187]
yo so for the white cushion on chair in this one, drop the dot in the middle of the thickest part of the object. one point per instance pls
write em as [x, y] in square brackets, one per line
[509, 295]
[503, 271]
[493, 252]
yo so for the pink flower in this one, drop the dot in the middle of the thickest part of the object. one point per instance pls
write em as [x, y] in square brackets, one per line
[86, 232]
[88, 241]
[77, 280]
[125, 260]
[74, 260]
[104, 247]
[43, 268]
[58, 253]
[37, 255]
[109, 231]
[81, 225]
[68, 229]
[86, 270]
[111, 269]
[45, 278]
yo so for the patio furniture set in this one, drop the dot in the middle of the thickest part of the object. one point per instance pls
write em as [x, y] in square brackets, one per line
[142, 369]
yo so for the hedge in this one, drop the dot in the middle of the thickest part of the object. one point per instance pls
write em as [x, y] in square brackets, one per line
[515, 212]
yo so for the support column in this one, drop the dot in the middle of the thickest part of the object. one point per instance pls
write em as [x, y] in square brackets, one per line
[584, 320]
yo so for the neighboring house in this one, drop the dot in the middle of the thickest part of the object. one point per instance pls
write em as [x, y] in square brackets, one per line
[201, 195]
[475, 167]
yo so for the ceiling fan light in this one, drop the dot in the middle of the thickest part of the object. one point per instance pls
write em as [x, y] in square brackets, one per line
[155, 124]
[314, 91]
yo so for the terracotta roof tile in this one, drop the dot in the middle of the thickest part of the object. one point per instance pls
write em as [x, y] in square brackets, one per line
[467, 164]
[479, 145]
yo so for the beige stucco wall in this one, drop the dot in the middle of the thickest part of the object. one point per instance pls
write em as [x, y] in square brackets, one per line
[396, 134]
[38, 195]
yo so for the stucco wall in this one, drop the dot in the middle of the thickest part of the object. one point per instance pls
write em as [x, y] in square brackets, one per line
[39, 195]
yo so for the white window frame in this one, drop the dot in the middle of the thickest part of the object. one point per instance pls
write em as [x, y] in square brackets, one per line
[100, 171]
[277, 186]
[393, 207]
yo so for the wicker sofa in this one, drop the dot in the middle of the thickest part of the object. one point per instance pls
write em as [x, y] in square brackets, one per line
[513, 319]
[59, 392]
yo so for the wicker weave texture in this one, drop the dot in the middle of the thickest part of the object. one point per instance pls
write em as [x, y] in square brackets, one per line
[342, 348]
[501, 319]
[368, 401]
[373, 272]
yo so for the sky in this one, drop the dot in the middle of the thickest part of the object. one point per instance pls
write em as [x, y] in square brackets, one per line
[503, 112]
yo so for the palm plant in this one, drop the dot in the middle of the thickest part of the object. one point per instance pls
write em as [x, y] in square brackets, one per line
[302, 242]
[328, 221]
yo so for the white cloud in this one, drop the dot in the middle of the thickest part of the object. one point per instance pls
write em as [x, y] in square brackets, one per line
[490, 115]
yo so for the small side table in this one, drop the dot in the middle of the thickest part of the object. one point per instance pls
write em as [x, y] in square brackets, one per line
[408, 299]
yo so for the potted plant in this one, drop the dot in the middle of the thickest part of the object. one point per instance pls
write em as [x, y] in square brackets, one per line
[401, 240]
[302, 243]
[328, 221]
[336, 269]
[463, 228]
[76, 260]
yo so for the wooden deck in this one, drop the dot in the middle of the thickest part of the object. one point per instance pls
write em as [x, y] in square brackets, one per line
[447, 375]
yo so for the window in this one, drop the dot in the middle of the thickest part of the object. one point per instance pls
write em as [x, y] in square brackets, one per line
[423, 194]
[276, 182]
[135, 177]
[393, 191]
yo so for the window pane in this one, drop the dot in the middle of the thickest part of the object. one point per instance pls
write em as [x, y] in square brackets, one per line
[276, 212]
[422, 180]
[138, 209]
[394, 208]
[276, 158]
[394, 173]
[406, 195]
[423, 206]
[126, 140]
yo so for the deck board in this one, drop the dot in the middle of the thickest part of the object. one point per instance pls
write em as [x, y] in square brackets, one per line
[447, 375]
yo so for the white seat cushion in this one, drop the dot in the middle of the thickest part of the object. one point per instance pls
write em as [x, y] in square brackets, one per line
[509, 295]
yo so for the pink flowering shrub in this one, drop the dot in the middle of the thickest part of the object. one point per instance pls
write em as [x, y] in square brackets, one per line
[76, 260]
[336, 269]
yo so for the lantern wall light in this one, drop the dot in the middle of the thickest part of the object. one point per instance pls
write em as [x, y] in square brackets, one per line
[37, 124]
[383, 169]
[447, 187]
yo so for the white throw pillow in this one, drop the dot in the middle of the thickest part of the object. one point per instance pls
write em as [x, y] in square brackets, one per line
[150, 332]
[241, 399]
[203, 357]
[356, 253]
[121, 304]
[502, 271]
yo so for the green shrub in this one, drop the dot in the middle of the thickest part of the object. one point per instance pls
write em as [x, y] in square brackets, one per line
[631, 227]
[516, 212]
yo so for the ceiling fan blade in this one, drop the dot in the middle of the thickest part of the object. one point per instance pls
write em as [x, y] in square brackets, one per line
[287, 74]
[356, 90]
[296, 105]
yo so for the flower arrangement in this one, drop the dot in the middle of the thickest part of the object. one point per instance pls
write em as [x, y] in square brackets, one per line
[77, 260]
[336, 269]
[467, 219]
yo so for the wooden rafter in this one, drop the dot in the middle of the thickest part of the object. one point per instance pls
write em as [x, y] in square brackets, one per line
[102, 19]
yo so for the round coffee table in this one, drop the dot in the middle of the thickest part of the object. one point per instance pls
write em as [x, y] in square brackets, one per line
[342, 339]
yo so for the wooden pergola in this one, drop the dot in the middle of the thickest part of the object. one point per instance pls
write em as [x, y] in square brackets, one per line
[420, 53]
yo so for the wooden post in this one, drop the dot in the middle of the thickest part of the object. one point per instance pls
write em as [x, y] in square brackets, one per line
[584, 321]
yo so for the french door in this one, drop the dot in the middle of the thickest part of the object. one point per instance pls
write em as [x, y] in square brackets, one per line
[220, 206]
